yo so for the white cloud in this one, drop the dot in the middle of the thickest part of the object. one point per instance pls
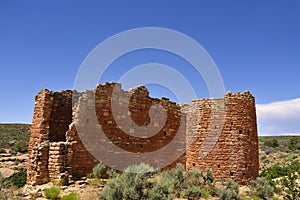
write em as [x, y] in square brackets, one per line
[279, 118]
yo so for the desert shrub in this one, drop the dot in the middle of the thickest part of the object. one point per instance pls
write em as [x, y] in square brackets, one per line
[252, 198]
[207, 192]
[208, 177]
[131, 184]
[279, 171]
[193, 185]
[179, 183]
[71, 196]
[17, 179]
[113, 189]
[290, 186]
[264, 159]
[99, 171]
[193, 177]
[261, 188]
[139, 182]
[231, 191]
[141, 168]
[269, 151]
[162, 188]
[112, 173]
[168, 183]
[272, 143]
[192, 193]
[291, 157]
[176, 174]
[20, 146]
[13, 152]
[294, 143]
[52, 193]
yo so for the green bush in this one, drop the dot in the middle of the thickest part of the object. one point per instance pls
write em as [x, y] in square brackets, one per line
[294, 143]
[290, 186]
[208, 177]
[252, 198]
[176, 174]
[168, 183]
[193, 178]
[189, 184]
[131, 184]
[17, 179]
[142, 182]
[279, 171]
[261, 188]
[192, 185]
[71, 196]
[192, 193]
[231, 191]
[52, 193]
[20, 146]
[162, 188]
[13, 152]
[272, 143]
[112, 173]
[99, 171]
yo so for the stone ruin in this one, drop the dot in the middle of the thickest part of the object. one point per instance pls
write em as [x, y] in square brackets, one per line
[57, 152]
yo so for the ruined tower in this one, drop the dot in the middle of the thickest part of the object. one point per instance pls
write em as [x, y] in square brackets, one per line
[57, 152]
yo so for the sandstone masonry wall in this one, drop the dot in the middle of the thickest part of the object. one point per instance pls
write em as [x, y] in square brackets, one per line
[235, 154]
[57, 152]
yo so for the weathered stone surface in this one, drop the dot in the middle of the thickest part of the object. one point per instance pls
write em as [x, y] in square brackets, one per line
[56, 151]
[235, 154]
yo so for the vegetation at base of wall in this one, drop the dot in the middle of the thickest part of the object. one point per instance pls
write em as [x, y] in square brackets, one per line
[143, 182]
[52, 193]
[100, 171]
[130, 184]
[230, 191]
[71, 196]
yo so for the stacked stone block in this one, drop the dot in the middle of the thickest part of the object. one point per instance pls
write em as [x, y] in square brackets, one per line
[57, 160]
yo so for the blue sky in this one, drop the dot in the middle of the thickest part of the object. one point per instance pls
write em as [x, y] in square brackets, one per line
[255, 44]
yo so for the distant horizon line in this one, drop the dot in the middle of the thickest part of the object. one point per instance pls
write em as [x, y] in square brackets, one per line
[259, 135]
